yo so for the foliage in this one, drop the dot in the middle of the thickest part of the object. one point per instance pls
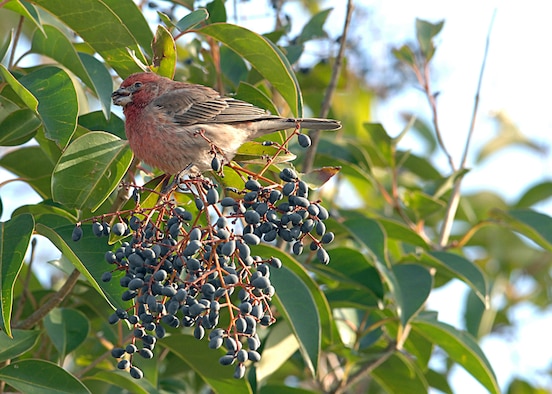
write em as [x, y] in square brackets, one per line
[358, 324]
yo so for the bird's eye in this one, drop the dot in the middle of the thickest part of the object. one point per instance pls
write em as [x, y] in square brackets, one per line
[137, 85]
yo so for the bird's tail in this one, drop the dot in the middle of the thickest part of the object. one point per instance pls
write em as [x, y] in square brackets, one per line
[319, 124]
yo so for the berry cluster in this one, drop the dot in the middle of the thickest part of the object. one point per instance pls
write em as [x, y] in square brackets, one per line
[182, 273]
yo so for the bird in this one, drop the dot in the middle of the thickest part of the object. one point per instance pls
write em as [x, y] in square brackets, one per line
[179, 126]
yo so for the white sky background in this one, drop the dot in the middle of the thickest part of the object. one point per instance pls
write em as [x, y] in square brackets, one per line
[517, 81]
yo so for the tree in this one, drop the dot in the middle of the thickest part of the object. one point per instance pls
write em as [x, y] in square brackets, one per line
[356, 324]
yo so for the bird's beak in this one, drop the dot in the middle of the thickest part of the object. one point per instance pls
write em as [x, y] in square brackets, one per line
[121, 96]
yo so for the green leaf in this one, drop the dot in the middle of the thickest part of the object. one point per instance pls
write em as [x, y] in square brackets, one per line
[31, 164]
[314, 28]
[204, 362]
[39, 376]
[282, 389]
[90, 169]
[405, 54]
[57, 102]
[256, 153]
[534, 225]
[421, 204]
[255, 96]
[46, 207]
[95, 121]
[121, 379]
[126, 26]
[280, 345]
[53, 43]
[414, 285]
[5, 45]
[425, 32]
[25, 95]
[456, 266]
[15, 235]
[295, 292]
[217, 11]
[86, 255]
[28, 11]
[400, 232]
[193, 19]
[164, 53]
[535, 194]
[18, 127]
[21, 342]
[399, 374]
[264, 56]
[318, 177]
[352, 267]
[103, 83]
[461, 348]
[371, 234]
[67, 328]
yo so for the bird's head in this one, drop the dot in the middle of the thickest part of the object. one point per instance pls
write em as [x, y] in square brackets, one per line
[137, 88]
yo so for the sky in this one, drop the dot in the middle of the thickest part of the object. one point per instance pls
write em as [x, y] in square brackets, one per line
[516, 81]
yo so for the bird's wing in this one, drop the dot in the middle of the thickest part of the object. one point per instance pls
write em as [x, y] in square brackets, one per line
[198, 104]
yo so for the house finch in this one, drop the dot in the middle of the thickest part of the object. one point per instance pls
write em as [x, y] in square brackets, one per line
[176, 125]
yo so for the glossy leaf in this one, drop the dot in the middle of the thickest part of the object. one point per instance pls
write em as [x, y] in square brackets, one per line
[295, 301]
[283, 389]
[28, 11]
[425, 32]
[414, 285]
[205, 363]
[121, 18]
[86, 255]
[164, 53]
[21, 341]
[399, 374]
[456, 266]
[191, 20]
[314, 28]
[18, 127]
[255, 152]
[121, 379]
[67, 328]
[461, 348]
[400, 232]
[278, 347]
[263, 56]
[89, 170]
[421, 204]
[255, 96]
[15, 235]
[21, 91]
[57, 102]
[5, 45]
[534, 225]
[95, 121]
[370, 233]
[534, 195]
[31, 164]
[53, 43]
[39, 376]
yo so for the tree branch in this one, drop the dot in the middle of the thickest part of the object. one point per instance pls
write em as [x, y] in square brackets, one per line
[53, 302]
[336, 71]
[452, 206]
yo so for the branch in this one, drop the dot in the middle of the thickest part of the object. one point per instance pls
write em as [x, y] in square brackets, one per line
[365, 370]
[455, 196]
[336, 71]
[53, 302]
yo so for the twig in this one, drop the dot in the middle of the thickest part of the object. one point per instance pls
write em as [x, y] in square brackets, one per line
[53, 302]
[452, 206]
[15, 40]
[365, 370]
[336, 71]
